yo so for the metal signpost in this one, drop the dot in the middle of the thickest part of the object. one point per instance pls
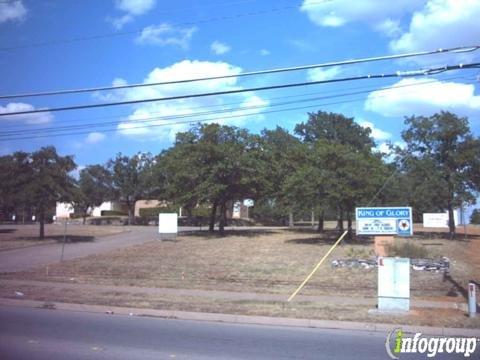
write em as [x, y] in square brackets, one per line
[393, 273]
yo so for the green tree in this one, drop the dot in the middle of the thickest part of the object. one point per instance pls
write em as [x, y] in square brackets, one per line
[334, 175]
[335, 128]
[42, 179]
[214, 165]
[94, 186]
[131, 179]
[284, 153]
[446, 145]
[322, 133]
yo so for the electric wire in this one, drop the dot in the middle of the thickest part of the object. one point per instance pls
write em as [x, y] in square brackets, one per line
[214, 112]
[461, 49]
[431, 71]
[187, 121]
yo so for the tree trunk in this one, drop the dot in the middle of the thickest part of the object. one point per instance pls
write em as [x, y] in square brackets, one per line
[290, 220]
[85, 215]
[223, 218]
[321, 220]
[349, 225]
[451, 221]
[340, 220]
[213, 214]
[131, 211]
[42, 224]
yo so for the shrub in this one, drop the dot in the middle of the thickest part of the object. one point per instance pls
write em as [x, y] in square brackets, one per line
[475, 218]
[112, 213]
[154, 211]
[407, 250]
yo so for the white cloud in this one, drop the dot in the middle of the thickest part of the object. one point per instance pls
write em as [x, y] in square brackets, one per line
[441, 24]
[37, 118]
[148, 114]
[219, 48]
[95, 137]
[119, 22]
[135, 7]
[264, 52]
[322, 74]
[12, 10]
[427, 99]
[389, 27]
[377, 133]
[340, 12]
[166, 34]
[132, 9]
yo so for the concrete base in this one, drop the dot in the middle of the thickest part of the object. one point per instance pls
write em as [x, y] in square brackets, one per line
[393, 304]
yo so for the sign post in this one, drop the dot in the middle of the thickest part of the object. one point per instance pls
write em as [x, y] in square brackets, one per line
[168, 225]
[393, 273]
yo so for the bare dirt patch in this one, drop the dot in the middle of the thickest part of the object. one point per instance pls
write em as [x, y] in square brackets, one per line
[19, 236]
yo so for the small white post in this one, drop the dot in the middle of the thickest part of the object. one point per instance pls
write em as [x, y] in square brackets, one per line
[472, 300]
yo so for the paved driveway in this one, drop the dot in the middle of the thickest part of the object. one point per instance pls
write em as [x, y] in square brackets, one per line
[34, 256]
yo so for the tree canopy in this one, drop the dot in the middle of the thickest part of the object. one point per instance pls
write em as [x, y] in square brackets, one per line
[442, 149]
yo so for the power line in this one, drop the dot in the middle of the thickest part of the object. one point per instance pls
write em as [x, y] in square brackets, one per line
[212, 112]
[19, 137]
[177, 122]
[139, 31]
[461, 49]
[262, 88]
[13, 126]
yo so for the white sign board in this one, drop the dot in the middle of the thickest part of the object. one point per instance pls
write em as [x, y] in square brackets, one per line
[248, 202]
[384, 221]
[393, 284]
[168, 223]
[438, 220]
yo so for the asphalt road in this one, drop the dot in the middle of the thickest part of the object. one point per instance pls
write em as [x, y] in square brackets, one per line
[53, 334]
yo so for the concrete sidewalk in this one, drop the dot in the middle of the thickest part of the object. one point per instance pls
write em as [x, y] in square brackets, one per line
[245, 319]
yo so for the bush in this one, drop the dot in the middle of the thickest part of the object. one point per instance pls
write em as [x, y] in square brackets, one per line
[475, 218]
[113, 213]
[407, 250]
[154, 211]
[108, 220]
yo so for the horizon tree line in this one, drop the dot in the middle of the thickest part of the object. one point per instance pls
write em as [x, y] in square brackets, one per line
[328, 165]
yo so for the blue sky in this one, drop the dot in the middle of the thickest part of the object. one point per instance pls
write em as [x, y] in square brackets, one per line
[63, 44]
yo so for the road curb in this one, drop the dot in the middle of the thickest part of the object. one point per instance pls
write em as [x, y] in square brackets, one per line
[243, 319]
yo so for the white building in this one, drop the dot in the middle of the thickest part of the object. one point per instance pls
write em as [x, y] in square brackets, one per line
[106, 206]
[65, 210]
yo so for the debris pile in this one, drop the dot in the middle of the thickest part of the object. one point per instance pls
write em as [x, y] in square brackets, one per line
[355, 263]
[442, 264]
[431, 265]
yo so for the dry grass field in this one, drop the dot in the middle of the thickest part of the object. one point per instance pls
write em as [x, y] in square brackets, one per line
[265, 262]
